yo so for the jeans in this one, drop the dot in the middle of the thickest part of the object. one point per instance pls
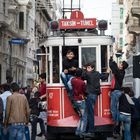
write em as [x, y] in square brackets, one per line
[0, 131]
[5, 133]
[114, 104]
[126, 119]
[16, 132]
[66, 79]
[34, 122]
[27, 133]
[90, 103]
[82, 124]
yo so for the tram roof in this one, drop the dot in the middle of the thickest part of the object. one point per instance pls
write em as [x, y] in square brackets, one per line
[92, 37]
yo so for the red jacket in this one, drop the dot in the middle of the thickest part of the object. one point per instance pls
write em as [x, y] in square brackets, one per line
[79, 88]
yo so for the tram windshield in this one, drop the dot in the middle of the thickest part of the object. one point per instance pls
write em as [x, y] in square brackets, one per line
[84, 55]
[88, 55]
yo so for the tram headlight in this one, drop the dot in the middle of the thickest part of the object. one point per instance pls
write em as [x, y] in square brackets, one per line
[79, 40]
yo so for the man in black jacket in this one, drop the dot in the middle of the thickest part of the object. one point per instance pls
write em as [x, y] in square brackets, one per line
[92, 78]
[35, 111]
[118, 73]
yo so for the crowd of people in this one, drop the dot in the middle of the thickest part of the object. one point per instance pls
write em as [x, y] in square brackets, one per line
[20, 107]
[83, 87]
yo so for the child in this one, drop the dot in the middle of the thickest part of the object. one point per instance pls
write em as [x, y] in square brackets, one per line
[79, 87]
[92, 78]
[34, 116]
[69, 66]
[126, 108]
[42, 87]
[117, 80]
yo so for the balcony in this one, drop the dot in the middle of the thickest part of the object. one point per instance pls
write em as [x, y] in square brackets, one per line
[120, 2]
[47, 7]
[130, 39]
[133, 25]
[135, 8]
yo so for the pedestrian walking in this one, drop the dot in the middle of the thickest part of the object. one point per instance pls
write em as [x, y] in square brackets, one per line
[4, 95]
[118, 72]
[92, 78]
[79, 88]
[43, 96]
[17, 113]
[36, 108]
[1, 118]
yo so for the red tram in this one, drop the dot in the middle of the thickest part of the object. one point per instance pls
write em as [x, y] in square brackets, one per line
[87, 45]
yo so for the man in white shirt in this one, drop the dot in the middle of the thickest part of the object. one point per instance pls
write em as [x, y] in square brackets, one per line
[4, 95]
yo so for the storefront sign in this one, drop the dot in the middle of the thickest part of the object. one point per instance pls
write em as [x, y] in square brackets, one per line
[18, 41]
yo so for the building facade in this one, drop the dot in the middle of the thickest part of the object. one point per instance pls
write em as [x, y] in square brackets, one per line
[23, 26]
[125, 25]
[132, 37]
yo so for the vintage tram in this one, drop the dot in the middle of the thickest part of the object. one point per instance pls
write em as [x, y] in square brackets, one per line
[88, 45]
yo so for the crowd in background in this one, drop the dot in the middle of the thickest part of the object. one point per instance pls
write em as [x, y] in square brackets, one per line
[83, 87]
[21, 107]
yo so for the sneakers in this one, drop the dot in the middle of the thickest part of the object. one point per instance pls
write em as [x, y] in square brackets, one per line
[40, 134]
[89, 134]
[116, 135]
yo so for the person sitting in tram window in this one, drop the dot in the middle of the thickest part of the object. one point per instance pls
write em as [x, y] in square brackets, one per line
[92, 78]
[79, 88]
[69, 67]
[116, 85]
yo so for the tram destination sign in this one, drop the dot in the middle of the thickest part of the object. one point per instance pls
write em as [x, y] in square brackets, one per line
[77, 23]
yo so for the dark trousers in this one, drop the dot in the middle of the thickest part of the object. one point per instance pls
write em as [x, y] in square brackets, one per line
[34, 127]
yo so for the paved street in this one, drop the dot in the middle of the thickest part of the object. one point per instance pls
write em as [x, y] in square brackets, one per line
[43, 138]
[110, 138]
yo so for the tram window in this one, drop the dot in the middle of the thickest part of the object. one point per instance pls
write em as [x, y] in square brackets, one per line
[88, 56]
[55, 70]
[104, 59]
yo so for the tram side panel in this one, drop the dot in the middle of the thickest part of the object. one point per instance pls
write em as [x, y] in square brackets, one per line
[54, 104]
[60, 107]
